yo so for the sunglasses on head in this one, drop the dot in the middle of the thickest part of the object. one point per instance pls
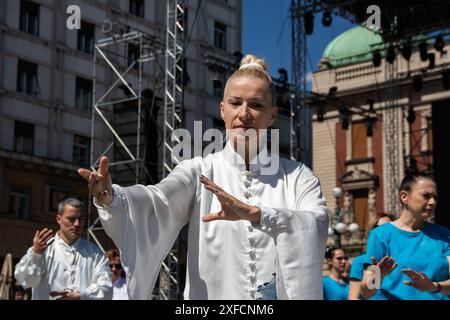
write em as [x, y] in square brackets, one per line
[116, 265]
[342, 258]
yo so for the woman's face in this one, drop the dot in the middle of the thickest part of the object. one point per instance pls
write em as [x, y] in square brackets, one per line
[116, 267]
[247, 104]
[421, 200]
[338, 261]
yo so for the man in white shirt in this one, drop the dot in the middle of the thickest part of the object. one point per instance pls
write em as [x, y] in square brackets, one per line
[64, 266]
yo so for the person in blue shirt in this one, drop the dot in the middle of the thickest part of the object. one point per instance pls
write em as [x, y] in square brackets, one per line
[335, 286]
[414, 255]
[358, 263]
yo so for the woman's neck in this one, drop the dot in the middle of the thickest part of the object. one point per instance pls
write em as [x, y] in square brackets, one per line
[247, 153]
[336, 276]
[409, 222]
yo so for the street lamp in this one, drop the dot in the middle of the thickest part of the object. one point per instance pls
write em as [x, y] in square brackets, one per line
[339, 225]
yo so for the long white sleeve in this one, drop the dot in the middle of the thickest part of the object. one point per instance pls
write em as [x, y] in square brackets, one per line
[30, 269]
[101, 286]
[144, 222]
[300, 238]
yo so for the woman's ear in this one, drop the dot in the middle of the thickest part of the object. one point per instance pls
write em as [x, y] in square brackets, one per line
[274, 115]
[222, 114]
[404, 197]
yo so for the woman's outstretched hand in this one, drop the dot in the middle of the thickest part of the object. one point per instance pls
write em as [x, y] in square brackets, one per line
[420, 281]
[100, 185]
[386, 265]
[232, 208]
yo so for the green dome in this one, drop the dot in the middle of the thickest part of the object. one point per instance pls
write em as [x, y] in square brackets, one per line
[353, 46]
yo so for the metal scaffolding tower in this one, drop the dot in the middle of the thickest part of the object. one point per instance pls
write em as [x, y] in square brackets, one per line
[121, 115]
[125, 120]
[173, 117]
[301, 115]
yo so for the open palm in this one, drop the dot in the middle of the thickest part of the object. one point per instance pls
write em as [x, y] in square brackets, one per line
[232, 208]
[100, 185]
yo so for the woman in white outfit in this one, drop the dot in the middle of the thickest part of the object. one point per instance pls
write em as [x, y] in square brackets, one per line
[247, 222]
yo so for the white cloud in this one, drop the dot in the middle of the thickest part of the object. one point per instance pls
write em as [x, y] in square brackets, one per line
[309, 77]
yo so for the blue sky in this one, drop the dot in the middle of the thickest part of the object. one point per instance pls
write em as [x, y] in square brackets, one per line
[267, 33]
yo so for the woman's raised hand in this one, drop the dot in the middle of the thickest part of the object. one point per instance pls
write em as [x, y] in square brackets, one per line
[100, 185]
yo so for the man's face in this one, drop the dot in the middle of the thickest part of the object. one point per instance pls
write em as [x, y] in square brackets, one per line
[71, 222]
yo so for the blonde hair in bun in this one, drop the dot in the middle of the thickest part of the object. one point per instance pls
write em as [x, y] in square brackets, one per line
[254, 67]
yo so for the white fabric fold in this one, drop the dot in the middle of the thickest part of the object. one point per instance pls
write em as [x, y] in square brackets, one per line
[144, 222]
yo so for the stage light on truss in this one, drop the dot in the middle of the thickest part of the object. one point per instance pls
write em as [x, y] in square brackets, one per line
[411, 116]
[345, 123]
[432, 60]
[369, 130]
[390, 54]
[439, 43]
[417, 83]
[376, 58]
[332, 91]
[327, 19]
[320, 115]
[406, 50]
[423, 48]
[446, 79]
[371, 105]
[309, 22]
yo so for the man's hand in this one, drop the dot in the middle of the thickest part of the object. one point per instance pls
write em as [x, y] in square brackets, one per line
[66, 295]
[232, 208]
[41, 240]
[100, 185]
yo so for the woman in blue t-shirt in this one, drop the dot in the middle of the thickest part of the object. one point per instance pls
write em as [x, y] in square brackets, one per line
[357, 269]
[335, 286]
[414, 255]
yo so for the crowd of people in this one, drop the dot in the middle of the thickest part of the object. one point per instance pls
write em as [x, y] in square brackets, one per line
[252, 235]
[411, 255]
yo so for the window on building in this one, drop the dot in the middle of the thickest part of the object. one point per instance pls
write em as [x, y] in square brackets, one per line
[360, 208]
[133, 54]
[23, 137]
[83, 94]
[19, 202]
[359, 140]
[217, 88]
[220, 35]
[29, 17]
[86, 36]
[27, 77]
[137, 8]
[81, 146]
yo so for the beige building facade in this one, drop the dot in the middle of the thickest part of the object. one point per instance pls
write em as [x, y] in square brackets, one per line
[371, 123]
